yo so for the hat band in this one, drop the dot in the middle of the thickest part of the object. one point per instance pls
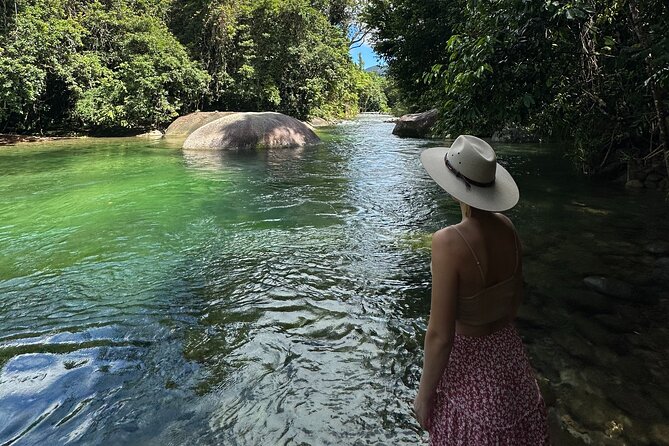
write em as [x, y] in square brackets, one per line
[468, 181]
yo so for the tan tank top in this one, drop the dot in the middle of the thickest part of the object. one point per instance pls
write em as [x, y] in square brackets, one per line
[476, 309]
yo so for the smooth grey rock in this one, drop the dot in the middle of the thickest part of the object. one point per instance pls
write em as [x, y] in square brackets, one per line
[187, 124]
[609, 287]
[416, 125]
[251, 130]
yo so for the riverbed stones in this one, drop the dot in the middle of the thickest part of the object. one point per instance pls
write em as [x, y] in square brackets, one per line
[574, 346]
[585, 300]
[658, 248]
[661, 270]
[564, 432]
[609, 286]
[251, 130]
[660, 434]
[630, 400]
[547, 391]
[187, 124]
[593, 332]
[416, 125]
[616, 323]
[591, 411]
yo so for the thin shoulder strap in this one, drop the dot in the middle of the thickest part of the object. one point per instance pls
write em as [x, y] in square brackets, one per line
[472, 251]
[516, 242]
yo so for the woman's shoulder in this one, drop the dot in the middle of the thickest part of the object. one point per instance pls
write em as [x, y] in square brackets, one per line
[445, 237]
[506, 220]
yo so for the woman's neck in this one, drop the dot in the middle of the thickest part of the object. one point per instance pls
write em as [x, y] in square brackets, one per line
[474, 214]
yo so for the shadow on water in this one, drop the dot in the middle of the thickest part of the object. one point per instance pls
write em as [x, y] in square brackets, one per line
[159, 296]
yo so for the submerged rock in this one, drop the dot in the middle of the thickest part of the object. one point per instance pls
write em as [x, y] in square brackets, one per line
[630, 400]
[416, 125]
[251, 130]
[609, 287]
[187, 124]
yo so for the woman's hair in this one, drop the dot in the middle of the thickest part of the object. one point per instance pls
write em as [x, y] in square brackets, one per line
[467, 209]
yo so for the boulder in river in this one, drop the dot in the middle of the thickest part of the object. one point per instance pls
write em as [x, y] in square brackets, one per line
[251, 130]
[187, 124]
[416, 125]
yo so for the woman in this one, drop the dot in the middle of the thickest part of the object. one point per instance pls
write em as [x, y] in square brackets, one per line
[477, 386]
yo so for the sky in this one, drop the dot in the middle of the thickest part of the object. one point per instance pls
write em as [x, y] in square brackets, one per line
[368, 55]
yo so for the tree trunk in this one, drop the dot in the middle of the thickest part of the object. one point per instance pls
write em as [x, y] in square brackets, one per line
[655, 89]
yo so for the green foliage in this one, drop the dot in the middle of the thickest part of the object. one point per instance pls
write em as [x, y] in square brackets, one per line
[107, 65]
[146, 77]
[80, 63]
[285, 56]
[370, 88]
[586, 71]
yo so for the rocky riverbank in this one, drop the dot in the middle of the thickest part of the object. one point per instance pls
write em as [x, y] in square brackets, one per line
[11, 139]
[599, 345]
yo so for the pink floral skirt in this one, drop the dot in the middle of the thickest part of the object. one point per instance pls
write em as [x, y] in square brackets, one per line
[489, 395]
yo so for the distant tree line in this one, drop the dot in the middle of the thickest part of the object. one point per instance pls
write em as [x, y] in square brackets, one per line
[592, 72]
[111, 65]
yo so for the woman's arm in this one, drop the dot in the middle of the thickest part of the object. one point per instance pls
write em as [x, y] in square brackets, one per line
[441, 326]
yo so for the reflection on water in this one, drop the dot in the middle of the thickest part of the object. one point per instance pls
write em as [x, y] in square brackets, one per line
[157, 296]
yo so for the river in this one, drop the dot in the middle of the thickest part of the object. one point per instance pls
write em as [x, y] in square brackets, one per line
[154, 296]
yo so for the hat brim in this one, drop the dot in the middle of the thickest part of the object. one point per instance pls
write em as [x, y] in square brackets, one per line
[501, 196]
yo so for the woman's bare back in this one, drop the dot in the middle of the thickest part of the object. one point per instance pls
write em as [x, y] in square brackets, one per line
[491, 236]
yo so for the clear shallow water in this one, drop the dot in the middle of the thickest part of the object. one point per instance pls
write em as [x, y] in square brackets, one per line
[154, 296]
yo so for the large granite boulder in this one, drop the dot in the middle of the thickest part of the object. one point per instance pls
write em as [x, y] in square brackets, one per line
[187, 124]
[416, 125]
[251, 130]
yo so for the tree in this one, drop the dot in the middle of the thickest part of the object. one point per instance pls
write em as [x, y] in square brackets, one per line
[592, 72]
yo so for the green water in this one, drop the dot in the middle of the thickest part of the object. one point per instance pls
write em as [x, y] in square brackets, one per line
[154, 296]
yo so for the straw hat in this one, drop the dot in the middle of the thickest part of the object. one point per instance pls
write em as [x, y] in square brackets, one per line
[468, 170]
